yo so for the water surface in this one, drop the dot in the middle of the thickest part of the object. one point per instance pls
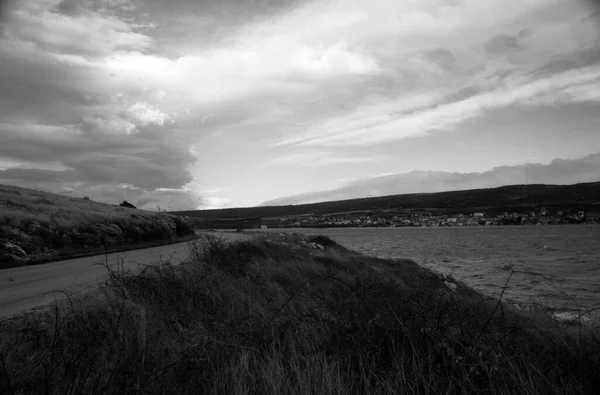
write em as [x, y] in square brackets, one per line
[558, 265]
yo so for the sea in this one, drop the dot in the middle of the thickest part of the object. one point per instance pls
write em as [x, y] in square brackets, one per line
[557, 266]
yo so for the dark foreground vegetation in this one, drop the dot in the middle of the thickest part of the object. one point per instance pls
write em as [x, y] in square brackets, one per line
[493, 201]
[278, 315]
[37, 226]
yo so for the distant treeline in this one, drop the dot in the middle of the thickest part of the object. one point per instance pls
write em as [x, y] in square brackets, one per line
[493, 201]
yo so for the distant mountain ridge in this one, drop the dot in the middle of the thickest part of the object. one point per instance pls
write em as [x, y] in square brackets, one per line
[557, 172]
[511, 198]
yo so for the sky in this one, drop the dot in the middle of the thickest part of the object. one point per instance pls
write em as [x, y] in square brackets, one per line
[186, 104]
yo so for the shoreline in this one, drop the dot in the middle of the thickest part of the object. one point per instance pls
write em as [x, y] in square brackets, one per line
[523, 300]
[293, 314]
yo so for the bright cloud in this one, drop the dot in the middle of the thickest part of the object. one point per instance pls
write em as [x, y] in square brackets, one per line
[317, 159]
[570, 86]
[213, 202]
[148, 114]
[152, 95]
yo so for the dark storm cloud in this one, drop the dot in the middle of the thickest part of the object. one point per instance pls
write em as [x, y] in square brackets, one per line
[559, 171]
[62, 109]
[159, 167]
[5, 11]
[144, 162]
[35, 84]
[37, 176]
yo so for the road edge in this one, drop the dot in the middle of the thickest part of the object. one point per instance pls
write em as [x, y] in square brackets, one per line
[98, 252]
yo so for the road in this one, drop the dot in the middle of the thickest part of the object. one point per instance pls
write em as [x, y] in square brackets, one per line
[31, 287]
[28, 287]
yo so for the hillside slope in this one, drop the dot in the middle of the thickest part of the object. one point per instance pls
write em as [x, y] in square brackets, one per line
[584, 196]
[294, 315]
[35, 225]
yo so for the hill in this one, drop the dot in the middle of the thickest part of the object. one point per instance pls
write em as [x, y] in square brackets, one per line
[294, 315]
[38, 225]
[517, 198]
[557, 172]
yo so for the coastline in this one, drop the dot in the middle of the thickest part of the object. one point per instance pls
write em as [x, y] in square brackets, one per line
[296, 311]
[483, 258]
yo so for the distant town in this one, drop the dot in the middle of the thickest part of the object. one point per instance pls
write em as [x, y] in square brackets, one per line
[391, 218]
[468, 219]
[535, 204]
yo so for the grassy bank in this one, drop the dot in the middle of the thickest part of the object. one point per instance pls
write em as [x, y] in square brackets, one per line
[277, 315]
[37, 226]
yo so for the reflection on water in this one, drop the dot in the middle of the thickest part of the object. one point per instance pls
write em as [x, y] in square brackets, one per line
[552, 264]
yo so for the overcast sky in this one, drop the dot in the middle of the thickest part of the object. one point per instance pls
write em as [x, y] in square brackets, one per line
[186, 103]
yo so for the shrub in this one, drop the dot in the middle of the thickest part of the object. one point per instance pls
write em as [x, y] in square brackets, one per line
[125, 203]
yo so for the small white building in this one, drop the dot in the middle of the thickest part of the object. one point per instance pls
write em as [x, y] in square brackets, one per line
[452, 220]
[478, 215]
[263, 226]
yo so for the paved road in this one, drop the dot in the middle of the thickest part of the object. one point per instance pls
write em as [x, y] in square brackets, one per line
[24, 288]
[30, 287]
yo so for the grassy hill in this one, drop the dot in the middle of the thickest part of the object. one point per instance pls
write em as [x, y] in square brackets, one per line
[517, 198]
[36, 225]
[291, 315]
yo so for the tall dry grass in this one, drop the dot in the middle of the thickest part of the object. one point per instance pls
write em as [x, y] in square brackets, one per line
[274, 316]
[42, 224]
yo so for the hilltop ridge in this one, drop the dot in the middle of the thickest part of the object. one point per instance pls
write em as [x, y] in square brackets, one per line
[518, 198]
[39, 226]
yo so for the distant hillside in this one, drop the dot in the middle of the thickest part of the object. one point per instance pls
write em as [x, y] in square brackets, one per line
[35, 224]
[557, 172]
[517, 198]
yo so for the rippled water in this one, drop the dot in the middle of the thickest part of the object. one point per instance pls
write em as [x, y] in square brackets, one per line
[558, 266]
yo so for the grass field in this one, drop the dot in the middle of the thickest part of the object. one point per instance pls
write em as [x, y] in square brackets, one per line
[35, 223]
[274, 315]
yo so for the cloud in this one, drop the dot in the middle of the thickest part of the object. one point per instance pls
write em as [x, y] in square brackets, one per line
[213, 202]
[147, 114]
[502, 44]
[112, 193]
[170, 200]
[443, 57]
[72, 29]
[211, 190]
[148, 161]
[559, 171]
[389, 125]
[121, 91]
[317, 159]
[60, 104]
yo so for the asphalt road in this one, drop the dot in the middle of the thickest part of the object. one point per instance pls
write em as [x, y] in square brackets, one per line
[29, 287]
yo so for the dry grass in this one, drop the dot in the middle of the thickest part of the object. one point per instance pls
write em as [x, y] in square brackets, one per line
[264, 317]
[38, 221]
[20, 206]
